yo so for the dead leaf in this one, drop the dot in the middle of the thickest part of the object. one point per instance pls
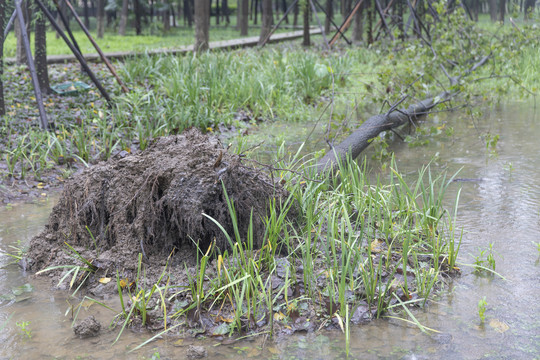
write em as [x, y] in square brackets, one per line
[104, 280]
[498, 325]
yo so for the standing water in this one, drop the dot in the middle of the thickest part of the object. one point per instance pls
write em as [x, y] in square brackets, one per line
[499, 207]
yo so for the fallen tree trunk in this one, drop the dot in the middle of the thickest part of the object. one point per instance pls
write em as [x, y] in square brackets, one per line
[360, 139]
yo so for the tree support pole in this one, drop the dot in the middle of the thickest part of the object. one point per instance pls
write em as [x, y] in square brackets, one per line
[346, 22]
[74, 51]
[332, 21]
[31, 66]
[9, 23]
[278, 23]
[98, 49]
[320, 25]
[66, 26]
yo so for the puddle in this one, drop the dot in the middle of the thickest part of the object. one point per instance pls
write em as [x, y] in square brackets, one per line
[500, 207]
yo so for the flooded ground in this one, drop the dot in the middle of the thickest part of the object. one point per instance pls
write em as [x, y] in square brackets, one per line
[499, 205]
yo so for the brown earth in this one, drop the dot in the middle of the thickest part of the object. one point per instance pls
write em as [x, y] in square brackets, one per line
[153, 203]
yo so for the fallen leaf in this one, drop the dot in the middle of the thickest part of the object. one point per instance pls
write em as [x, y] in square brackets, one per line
[104, 280]
[498, 325]
[279, 316]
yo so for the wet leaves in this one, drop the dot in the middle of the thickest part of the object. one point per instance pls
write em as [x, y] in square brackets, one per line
[498, 326]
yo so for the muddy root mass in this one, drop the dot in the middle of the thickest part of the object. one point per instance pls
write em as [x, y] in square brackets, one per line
[153, 203]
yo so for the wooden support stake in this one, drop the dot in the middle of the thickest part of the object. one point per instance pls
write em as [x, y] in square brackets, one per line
[96, 46]
[74, 51]
[320, 25]
[332, 21]
[346, 22]
[30, 59]
[278, 23]
[9, 23]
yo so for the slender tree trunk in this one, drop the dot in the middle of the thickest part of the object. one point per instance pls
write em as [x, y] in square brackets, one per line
[255, 11]
[202, 24]
[370, 10]
[20, 52]
[493, 10]
[329, 15]
[2, 24]
[528, 8]
[284, 8]
[123, 18]
[137, 9]
[218, 12]
[100, 18]
[502, 10]
[358, 29]
[226, 11]
[188, 12]
[86, 14]
[267, 18]
[296, 12]
[244, 17]
[166, 20]
[40, 45]
[307, 40]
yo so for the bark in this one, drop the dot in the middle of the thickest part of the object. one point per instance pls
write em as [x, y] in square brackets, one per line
[226, 11]
[2, 22]
[493, 10]
[329, 15]
[307, 40]
[502, 10]
[41, 53]
[218, 12]
[86, 14]
[20, 52]
[360, 139]
[123, 18]
[100, 18]
[296, 11]
[528, 8]
[137, 8]
[202, 25]
[267, 18]
[188, 12]
[244, 17]
[166, 20]
[284, 9]
[358, 25]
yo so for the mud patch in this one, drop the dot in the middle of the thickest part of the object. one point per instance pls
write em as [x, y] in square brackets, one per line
[153, 204]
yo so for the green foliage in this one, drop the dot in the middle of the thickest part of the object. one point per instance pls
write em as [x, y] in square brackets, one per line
[482, 304]
[24, 328]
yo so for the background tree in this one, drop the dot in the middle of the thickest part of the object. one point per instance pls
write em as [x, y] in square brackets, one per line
[20, 52]
[123, 18]
[244, 17]
[40, 56]
[202, 24]
[267, 18]
[305, 9]
[100, 18]
[3, 11]
[329, 15]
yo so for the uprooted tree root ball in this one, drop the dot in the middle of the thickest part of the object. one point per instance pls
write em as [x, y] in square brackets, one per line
[154, 204]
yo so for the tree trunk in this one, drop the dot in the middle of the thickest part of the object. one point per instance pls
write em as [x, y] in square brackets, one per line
[226, 10]
[188, 12]
[329, 15]
[528, 8]
[502, 10]
[218, 12]
[358, 29]
[255, 11]
[307, 40]
[100, 18]
[244, 17]
[360, 139]
[20, 52]
[166, 20]
[202, 24]
[284, 8]
[296, 11]
[86, 14]
[370, 11]
[493, 10]
[137, 8]
[40, 42]
[2, 21]
[123, 18]
[267, 17]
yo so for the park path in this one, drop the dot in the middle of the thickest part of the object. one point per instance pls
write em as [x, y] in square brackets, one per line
[214, 45]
